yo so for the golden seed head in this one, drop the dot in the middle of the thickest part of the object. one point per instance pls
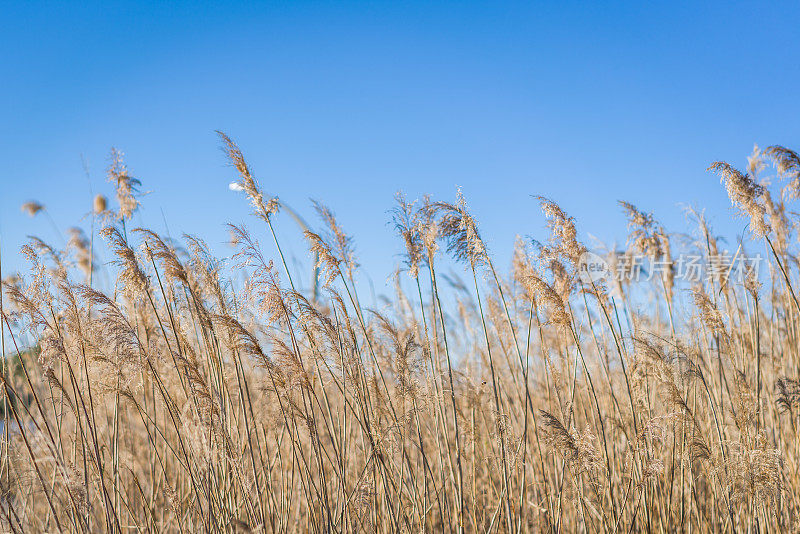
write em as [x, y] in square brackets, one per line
[100, 204]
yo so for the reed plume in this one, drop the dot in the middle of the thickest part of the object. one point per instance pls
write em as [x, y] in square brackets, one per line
[180, 391]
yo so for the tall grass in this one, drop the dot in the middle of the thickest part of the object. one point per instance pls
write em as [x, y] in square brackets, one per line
[176, 399]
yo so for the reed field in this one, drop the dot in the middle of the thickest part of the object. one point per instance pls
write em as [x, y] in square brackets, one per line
[150, 386]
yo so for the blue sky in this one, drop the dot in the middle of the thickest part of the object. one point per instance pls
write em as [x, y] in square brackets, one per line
[344, 102]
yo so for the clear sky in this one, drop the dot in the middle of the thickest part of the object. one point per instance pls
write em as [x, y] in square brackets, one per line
[583, 102]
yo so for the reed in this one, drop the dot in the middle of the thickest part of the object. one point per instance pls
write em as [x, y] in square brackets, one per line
[176, 398]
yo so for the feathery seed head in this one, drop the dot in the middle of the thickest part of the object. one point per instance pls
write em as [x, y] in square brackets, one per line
[709, 313]
[407, 223]
[31, 208]
[563, 233]
[547, 296]
[745, 194]
[788, 163]
[100, 204]
[247, 183]
[126, 185]
[132, 278]
[326, 260]
[460, 229]
[646, 236]
[339, 242]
